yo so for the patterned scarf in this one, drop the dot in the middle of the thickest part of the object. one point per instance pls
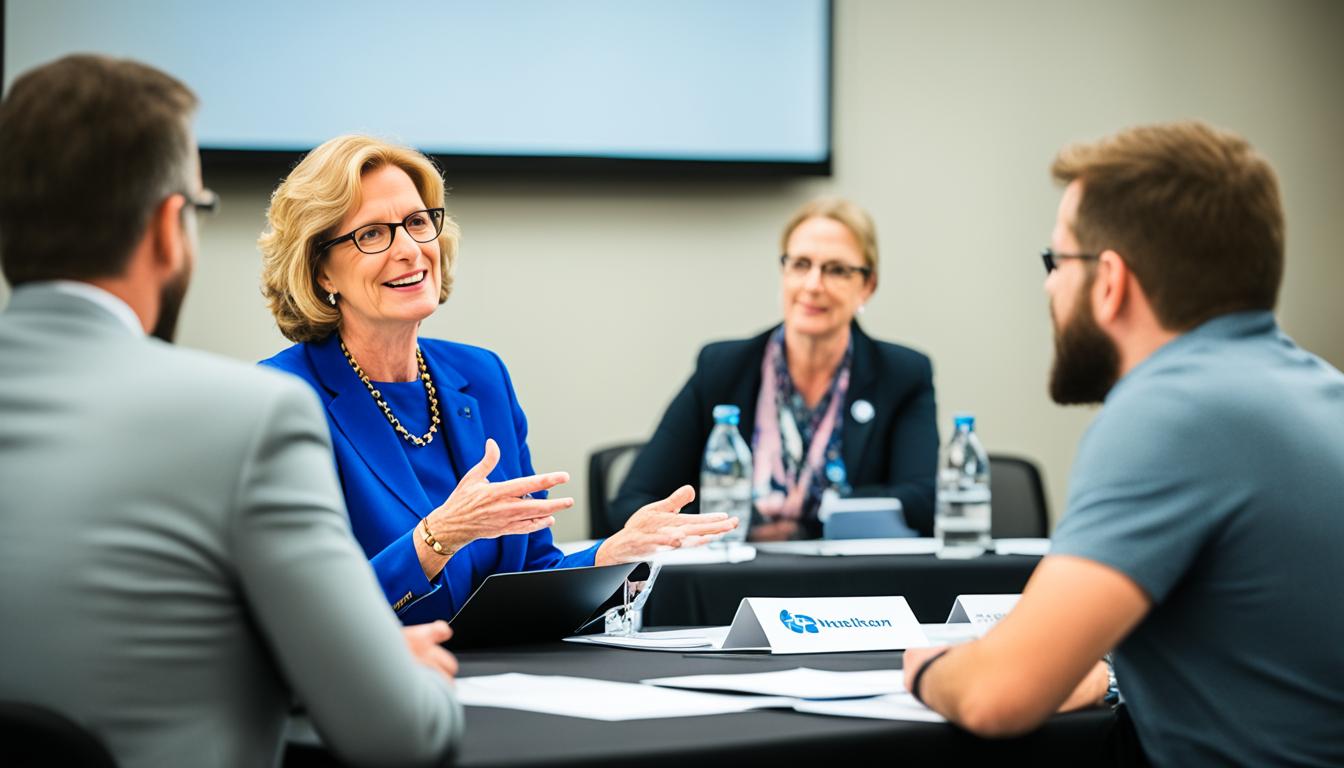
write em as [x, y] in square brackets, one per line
[792, 443]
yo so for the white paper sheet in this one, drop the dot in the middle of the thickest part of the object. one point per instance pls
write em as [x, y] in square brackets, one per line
[680, 640]
[841, 547]
[694, 640]
[801, 683]
[734, 552]
[950, 634]
[898, 706]
[600, 699]
[1040, 547]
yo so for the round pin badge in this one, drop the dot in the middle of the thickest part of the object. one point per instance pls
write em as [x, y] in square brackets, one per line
[862, 411]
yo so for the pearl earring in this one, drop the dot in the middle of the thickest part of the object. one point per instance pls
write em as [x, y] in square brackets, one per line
[331, 298]
[861, 307]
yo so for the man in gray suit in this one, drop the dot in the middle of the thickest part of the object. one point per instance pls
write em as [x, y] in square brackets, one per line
[175, 561]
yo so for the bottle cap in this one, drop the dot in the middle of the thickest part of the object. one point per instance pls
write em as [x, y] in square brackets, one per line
[726, 414]
[963, 420]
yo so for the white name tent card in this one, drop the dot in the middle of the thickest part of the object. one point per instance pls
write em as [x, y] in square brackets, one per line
[824, 625]
[981, 611]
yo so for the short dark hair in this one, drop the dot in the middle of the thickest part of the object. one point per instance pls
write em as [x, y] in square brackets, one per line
[1194, 212]
[89, 148]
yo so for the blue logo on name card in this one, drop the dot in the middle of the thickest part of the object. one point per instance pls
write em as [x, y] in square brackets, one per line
[807, 625]
[798, 622]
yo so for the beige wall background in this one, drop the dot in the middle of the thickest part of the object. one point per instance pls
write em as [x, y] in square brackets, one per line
[597, 293]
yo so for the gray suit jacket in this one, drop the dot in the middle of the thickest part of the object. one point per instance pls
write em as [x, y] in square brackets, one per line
[175, 561]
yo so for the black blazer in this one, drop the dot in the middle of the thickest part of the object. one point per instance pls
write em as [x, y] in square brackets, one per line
[893, 454]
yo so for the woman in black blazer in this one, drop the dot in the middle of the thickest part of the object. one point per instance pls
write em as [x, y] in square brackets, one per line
[822, 404]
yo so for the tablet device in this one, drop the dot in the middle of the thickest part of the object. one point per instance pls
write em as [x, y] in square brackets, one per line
[534, 606]
[863, 518]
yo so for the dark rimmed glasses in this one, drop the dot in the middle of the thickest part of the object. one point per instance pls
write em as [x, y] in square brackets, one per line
[423, 226]
[831, 271]
[1052, 259]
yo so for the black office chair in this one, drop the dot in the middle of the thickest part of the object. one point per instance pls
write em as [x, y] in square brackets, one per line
[36, 737]
[1017, 498]
[607, 467]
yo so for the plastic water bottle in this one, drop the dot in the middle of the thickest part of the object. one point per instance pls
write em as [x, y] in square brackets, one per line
[725, 475]
[961, 518]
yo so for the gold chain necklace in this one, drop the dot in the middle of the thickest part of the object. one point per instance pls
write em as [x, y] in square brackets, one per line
[422, 440]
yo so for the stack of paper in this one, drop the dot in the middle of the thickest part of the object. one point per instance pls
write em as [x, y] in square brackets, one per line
[600, 699]
[873, 694]
[799, 683]
[877, 694]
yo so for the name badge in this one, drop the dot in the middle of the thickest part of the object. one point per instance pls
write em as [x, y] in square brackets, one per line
[981, 611]
[824, 625]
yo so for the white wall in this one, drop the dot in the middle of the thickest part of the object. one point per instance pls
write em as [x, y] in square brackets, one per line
[598, 293]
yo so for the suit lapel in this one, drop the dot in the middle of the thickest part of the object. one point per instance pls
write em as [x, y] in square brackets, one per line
[462, 420]
[862, 386]
[359, 418]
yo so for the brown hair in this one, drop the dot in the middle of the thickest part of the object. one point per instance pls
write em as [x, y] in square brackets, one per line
[855, 219]
[306, 208]
[89, 148]
[1194, 212]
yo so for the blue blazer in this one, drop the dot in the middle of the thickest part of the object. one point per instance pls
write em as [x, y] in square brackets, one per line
[383, 496]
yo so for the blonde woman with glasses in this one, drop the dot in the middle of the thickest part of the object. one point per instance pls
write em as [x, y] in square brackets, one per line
[823, 405]
[430, 440]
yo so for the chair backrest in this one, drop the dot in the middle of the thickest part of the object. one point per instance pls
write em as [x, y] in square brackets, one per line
[607, 468]
[1017, 498]
[36, 737]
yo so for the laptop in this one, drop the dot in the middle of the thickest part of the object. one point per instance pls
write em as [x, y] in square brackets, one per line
[534, 606]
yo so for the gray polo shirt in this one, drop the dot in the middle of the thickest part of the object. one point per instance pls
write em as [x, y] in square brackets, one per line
[1214, 478]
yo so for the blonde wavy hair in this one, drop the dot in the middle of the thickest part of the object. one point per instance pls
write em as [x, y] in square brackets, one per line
[306, 208]
[848, 213]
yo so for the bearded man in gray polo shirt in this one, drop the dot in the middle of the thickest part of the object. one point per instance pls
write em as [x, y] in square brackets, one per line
[1205, 516]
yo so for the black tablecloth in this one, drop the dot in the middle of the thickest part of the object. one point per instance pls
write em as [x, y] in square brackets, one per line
[707, 595]
[502, 737]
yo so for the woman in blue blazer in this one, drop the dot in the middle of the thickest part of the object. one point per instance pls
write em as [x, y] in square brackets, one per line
[430, 441]
[822, 404]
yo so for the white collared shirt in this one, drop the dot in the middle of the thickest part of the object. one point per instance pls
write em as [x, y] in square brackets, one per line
[89, 292]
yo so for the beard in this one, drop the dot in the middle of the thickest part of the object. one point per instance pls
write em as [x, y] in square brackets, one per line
[1087, 363]
[171, 297]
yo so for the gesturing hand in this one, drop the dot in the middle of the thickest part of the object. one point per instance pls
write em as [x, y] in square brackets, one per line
[480, 509]
[426, 644]
[660, 526]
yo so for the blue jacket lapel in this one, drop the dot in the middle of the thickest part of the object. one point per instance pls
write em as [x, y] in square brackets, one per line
[462, 423]
[362, 422]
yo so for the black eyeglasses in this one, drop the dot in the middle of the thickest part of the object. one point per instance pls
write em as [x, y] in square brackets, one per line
[1051, 258]
[422, 226]
[204, 201]
[831, 271]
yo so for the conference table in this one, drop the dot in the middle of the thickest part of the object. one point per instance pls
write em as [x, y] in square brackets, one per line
[505, 737]
[708, 594]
